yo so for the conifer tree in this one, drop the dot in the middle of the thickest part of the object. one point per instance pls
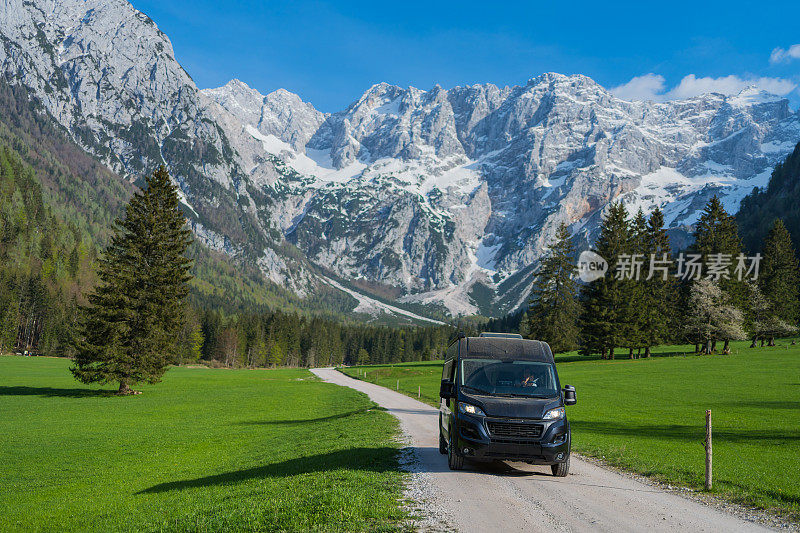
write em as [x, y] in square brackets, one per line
[133, 317]
[778, 278]
[659, 286]
[716, 233]
[763, 319]
[604, 300]
[554, 309]
[633, 312]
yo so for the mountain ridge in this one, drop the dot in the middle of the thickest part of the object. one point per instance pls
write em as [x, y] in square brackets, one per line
[443, 197]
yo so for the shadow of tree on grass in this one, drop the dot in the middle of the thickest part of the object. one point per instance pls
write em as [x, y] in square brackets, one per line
[684, 432]
[382, 459]
[50, 392]
[302, 420]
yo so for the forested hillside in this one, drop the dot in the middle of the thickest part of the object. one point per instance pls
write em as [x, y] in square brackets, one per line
[780, 199]
[45, 263]
[57, 208]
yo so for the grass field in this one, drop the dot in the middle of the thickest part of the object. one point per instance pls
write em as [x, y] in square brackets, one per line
[648, 416]
[205, 450]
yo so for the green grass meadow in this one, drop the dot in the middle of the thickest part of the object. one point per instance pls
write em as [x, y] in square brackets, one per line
[205, 450]
[648, 416]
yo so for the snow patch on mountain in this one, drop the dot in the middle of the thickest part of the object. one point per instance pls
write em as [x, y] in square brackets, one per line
[374, 307]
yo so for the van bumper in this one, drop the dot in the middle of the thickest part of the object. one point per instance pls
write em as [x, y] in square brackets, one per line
[475, 441]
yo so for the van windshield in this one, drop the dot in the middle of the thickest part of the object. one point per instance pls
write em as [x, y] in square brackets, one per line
[533, 379]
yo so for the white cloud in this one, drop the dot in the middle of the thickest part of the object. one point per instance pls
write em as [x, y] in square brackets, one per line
[694, 86]
[652, 87]
[779, 55]
[647, 87]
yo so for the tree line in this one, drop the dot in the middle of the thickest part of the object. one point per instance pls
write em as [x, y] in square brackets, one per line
[650, 296]
[274, 338]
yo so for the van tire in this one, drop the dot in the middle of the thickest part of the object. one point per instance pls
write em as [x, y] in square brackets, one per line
[454, 460]
[560, 469]
[442, 443]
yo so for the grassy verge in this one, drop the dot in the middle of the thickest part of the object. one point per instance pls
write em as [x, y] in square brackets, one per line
[647, 416]
[204, 450]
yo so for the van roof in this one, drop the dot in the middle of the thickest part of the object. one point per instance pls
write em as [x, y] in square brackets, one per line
[505, 348]
[500, 335]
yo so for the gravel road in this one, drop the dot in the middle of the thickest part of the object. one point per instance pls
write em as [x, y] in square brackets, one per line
[521, 497]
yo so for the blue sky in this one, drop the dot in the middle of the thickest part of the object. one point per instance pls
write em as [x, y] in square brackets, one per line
[330, 52]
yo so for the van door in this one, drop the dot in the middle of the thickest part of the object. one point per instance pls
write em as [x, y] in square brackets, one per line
[444, 404]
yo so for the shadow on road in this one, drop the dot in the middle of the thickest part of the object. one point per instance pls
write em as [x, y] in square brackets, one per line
[430, 412]
[438, 463]
[50, 392]
[431, 461]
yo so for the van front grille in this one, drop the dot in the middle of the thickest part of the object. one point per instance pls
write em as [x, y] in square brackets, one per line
[512, 430]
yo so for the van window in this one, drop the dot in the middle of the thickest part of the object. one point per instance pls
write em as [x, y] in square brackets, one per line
[447, 369]
[450, 356]
[515, 378]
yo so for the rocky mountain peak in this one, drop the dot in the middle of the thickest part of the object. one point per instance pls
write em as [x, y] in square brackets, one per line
[440, 197]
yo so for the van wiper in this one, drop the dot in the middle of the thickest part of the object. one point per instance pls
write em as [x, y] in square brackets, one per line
[512, 395]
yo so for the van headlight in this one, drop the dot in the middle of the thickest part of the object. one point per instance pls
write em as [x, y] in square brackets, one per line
[469, 409]
[554, 414]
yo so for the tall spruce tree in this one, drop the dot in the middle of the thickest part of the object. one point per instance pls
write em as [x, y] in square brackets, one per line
[605, 300]
[778, 279]
[554, 308]
[716, 233]
[129, 328]
[659, 296]
[634, 317]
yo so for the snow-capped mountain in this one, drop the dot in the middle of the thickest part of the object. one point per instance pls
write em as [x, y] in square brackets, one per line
[437, 191]
[438, 197]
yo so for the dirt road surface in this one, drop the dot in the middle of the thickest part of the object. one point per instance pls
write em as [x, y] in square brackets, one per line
[522, 497]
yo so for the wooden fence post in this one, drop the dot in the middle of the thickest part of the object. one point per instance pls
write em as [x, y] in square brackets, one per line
[708, 450]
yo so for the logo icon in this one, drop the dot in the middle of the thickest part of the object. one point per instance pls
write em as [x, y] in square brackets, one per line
[591, 266]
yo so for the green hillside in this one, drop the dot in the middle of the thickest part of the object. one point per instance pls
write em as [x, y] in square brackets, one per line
[780, 199]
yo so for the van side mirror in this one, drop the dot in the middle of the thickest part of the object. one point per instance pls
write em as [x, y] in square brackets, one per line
[446, 389]
[570, 398]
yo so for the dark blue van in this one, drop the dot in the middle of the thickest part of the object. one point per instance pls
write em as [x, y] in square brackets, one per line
[501, 400]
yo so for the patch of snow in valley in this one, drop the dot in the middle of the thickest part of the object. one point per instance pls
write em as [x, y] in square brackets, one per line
[485, 255]
[373, 307]
[314, 163]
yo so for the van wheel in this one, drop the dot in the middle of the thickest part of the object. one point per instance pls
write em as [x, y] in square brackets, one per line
[560, 469]
[454, 460]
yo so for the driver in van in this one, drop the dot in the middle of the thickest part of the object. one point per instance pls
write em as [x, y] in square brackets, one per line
[529, 379]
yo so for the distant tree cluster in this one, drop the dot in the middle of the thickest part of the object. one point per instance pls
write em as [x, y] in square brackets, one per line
[273, 338]
[658, 301]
